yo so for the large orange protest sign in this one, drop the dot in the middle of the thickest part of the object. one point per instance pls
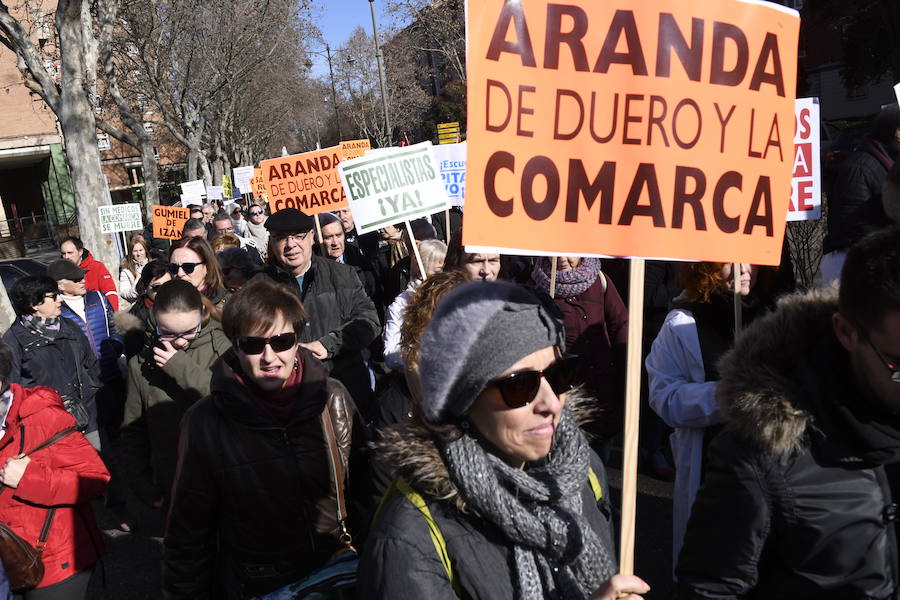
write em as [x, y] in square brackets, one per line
[654, 129]
[307, 182]
[168, 221]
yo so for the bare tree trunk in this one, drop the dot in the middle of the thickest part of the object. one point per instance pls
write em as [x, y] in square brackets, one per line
[76, 118]
[151, 174]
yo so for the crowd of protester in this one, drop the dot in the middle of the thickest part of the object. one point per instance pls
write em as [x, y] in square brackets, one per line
[294, 395]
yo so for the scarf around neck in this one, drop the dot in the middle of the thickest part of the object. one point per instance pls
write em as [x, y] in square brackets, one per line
[568, 283]
[556, 552]
[46, 328]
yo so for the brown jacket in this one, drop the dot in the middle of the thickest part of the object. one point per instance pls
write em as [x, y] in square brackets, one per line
[253, 504]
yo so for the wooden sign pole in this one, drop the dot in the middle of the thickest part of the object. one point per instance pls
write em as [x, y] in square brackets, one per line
[318, 227]
[447, 217]
[415, 248]
[553, 277]
[632, 414]
[738, 305]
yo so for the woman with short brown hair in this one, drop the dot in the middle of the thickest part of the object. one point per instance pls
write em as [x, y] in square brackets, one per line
[254, 506]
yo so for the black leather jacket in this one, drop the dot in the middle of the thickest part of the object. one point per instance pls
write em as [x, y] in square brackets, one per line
[253, 503]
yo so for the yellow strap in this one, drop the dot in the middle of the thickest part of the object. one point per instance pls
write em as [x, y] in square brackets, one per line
[437, 537]
[595, 484]
[434, 531]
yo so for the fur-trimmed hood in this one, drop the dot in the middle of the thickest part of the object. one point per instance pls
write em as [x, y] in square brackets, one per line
[768, 378]
[410, 450]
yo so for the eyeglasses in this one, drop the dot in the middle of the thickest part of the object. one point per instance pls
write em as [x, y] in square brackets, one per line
[187, 336]
[520, 388]
[249, 344]
[894, 370]
[51, 295]
[286, 237]
[254, 213]
[187, 267]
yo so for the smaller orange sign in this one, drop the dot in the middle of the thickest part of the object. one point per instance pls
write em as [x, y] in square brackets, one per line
[168, 221]
[307, 182]
[258, 184]
[355, 148]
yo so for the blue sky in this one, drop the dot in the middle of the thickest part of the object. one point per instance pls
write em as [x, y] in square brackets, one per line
[338, 18]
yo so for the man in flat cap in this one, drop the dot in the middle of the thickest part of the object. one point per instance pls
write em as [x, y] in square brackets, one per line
[342, 318]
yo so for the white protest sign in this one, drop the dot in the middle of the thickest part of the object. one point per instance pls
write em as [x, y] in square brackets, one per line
[451, 160]
[806, 183]
[897, 92]
[194, 189]
[120, 217]
[243, 177]
[215, 192]
[190, 200]
[386, 188]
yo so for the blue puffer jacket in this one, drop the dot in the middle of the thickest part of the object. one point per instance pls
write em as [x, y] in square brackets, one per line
[100, 331]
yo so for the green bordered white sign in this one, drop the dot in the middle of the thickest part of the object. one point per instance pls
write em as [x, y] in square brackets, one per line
[392, 186]
[120, 217]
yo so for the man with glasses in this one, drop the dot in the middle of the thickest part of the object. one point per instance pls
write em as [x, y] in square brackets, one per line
[797, 500]
[223, 224]
[342, 318]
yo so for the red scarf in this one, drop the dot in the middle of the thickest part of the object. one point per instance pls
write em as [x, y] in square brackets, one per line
[281, 404]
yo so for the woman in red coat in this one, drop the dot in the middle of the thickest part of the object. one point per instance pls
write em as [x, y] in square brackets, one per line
[596, 326]
[66, 476]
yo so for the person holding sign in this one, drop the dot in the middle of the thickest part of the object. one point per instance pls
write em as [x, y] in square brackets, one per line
[796, 501]
[596, 325]
[343, 320]
[682, 375]
[499, 494]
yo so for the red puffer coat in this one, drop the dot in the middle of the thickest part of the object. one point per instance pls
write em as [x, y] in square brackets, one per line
[98, 278]
[68, 474]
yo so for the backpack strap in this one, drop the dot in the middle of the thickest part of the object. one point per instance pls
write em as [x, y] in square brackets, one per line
[595, 484]
[437, 538]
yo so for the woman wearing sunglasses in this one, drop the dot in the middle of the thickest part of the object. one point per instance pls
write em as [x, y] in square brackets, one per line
[256, 228]
[499, 494]
[193, 260]
[254, 506]
[164, 379]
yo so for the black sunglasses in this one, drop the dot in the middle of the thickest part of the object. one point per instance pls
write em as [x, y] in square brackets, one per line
[519, 388]
[187, 267]
[249, 344]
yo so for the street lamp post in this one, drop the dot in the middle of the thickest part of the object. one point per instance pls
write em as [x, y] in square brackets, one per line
[337, 117]
[380, 58]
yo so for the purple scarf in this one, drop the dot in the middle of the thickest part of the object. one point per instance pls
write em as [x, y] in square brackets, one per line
[568, 283]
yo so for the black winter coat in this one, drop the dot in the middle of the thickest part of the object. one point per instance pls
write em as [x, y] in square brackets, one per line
[854, 197]
[253, 503]
[341, 316]
[67, 364]
[795, 503]
[400, 560]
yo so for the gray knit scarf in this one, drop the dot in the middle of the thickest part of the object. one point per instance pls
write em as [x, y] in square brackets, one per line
[571, 283]
[556, 552]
